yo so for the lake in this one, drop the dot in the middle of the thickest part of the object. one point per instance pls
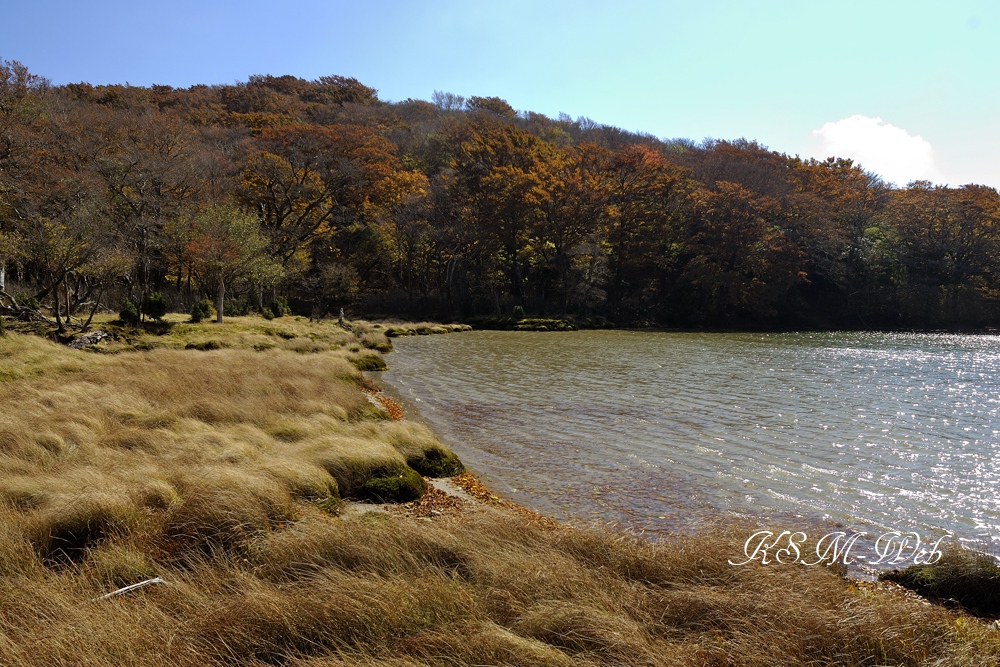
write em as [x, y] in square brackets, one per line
[661, 431]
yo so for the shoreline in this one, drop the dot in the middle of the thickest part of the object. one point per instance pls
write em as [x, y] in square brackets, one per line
[213, 468]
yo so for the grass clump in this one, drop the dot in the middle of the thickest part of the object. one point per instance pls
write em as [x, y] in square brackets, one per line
[67, 530]
[514, 323]
[962, 578]
[397, 487]
[369, 362]
[421, 449]
[436, 462]
[204, 345]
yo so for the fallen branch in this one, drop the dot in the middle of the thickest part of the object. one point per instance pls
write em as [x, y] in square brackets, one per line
[129, 589]
[26, 313]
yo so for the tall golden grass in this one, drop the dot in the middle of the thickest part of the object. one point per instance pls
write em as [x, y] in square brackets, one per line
[216, 471]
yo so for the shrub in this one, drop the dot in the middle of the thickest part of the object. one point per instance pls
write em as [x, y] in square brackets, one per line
[236, 307]
[129, 314]
[267, 314]
[518, 312]
[201, 310]
[280, 307]
[154, 305]
[403, 487]
[376, 341]
[28, 301]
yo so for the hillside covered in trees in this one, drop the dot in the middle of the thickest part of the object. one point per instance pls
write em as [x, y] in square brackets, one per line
[320, 193]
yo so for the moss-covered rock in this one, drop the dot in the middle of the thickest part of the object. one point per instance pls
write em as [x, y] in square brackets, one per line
[509, 323]
[369, 362]
[436, 462]
[963, 578]
[401, 487]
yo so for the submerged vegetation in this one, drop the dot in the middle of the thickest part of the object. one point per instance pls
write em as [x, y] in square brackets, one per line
[222, 477]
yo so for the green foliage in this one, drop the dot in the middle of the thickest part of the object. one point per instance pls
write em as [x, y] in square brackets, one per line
[154, 305]
[227, 248]
[280, 306]
[202, 310]
[518, 312]
[402, 487]
[236, 307]
[129, 314]
[267, 314]
[28, 301]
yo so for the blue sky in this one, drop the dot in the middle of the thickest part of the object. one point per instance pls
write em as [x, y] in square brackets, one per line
[910, 89]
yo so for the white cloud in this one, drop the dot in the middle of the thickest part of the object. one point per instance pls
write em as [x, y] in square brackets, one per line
[877, 146]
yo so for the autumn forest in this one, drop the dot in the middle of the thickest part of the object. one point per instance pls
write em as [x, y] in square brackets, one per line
[318, 195]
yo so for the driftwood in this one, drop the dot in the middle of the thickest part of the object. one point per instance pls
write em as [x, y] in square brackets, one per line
[129, 589]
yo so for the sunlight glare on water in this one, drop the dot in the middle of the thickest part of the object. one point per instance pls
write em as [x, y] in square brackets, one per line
[659, 430]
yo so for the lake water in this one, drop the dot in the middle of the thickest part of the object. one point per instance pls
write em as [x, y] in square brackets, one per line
[658, 431]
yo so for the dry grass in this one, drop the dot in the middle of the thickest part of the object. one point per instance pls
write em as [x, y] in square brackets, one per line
[215, 470]
[183, 450]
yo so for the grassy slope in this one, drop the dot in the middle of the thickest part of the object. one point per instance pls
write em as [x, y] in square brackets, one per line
[218, 471]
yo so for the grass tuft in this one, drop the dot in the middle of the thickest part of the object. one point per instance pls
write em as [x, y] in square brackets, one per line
[369, 362]
[400, 487]
[967, 579]
[67, 530]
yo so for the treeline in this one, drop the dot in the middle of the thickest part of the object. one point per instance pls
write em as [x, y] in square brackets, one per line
[318, 193]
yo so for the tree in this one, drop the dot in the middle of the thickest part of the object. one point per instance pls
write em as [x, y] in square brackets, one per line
[949, 239]
[500, 184]
[741, 262]
[307, 181]
[226, 247]
[641, 196]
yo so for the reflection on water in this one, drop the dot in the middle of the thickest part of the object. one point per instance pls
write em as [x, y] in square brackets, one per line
[653, 430]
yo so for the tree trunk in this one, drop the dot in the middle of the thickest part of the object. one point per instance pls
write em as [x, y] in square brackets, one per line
[55, 301]
[220, 300]
[93, 309]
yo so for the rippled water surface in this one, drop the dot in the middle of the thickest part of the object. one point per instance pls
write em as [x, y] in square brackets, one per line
[654, 430]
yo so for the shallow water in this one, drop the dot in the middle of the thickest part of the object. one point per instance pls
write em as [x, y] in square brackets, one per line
[658, 431]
